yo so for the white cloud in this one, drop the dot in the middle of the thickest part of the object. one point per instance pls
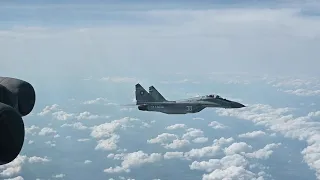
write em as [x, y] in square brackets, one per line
[56, 136]
[87, 162]
[237, 148]
[200, 140]
[76, 125]
[176, 126]
[49, 109]
[13, 168]
[177, 143]
[192, 133]
[197, 118]
[47, 131]
[106, 133]
[234, 165]
[172, 155]
[16, 178]
[31, 129]
[232, 172]
[223, 141]
[252, 134]
[87, 115]
[278, 119]
[303, 92]
[163, 138]
[263, 153]
[96, 101]
[217, 125]
[107, 129]
[108, 144]
[83, 140]
[62, 116]
[169, 141]
[35, 159]
[225, 162]
[134, 159]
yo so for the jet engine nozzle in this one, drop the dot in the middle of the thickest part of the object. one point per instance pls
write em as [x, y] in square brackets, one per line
[11, 133]
[143, 107]
[18, 94]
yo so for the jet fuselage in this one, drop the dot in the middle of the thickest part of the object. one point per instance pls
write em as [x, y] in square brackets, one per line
[154, 101]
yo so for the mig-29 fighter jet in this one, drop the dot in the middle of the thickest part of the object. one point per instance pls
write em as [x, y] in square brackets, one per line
[154, 101]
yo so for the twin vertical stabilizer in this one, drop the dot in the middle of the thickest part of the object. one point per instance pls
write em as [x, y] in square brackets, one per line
[142, 96]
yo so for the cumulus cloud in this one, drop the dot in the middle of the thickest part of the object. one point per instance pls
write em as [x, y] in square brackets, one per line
[134, 159]
[263, 153]
[62, 116]
[172, 155]
[15, 178]
[107, 129]
[177, 143]
[106, 133]
[192, 133]
[176, 126]
[76, 125]
[252, 134]
[234, 165]
[303, 92]
[46, 131]
[14, 168]
[108, 144]
[86, 115]
[99, 100]
[162, 138]
[31, 130]
[217, 125]
[200, 140]
[35, 159]
[278, 119]
[197, 118]
[49, 109]
[83, 140]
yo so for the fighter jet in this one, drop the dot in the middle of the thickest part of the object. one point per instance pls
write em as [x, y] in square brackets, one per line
[154, 101]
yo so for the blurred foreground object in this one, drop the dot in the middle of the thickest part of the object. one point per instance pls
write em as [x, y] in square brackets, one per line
[17, 99]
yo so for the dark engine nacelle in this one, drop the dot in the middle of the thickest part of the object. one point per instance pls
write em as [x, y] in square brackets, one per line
[143, 107]
[17, 99]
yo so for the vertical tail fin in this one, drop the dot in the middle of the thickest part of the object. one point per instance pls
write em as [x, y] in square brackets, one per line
[155, 94]
[142, 95]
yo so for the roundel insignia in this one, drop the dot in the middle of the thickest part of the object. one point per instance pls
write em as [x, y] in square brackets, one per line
[141, 92]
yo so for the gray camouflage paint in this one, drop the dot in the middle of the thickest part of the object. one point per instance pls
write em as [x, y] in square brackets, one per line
[154, 101]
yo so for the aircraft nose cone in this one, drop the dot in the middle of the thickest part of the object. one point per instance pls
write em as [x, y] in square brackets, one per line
[237, 105]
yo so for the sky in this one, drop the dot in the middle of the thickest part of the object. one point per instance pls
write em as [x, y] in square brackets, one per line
[84, 58]
[89, 39]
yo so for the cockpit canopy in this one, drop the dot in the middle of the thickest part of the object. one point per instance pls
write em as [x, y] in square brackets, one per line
[214, 96]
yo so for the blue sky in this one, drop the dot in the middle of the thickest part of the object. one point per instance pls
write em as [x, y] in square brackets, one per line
[89, 40]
